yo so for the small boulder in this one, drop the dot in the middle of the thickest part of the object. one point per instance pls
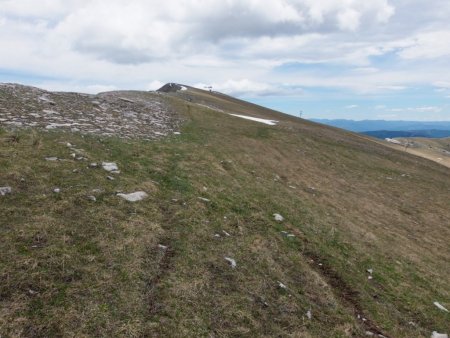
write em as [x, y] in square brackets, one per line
[281, 285]
[51, 159]
[134, 197]
[231, 261]
[278, 217]
[110, 166]
[435, 334]
[5, 191]
[440, 306]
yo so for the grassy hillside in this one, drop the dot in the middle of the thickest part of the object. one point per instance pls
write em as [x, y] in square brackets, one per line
[72, 266]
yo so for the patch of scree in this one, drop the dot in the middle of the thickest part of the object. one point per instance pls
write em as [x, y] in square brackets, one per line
[124, 114]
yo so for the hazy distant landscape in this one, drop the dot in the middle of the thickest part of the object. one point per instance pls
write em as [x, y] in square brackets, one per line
[391, 129]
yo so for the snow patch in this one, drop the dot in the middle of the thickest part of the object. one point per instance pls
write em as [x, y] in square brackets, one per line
[391, 140]
[257, 119]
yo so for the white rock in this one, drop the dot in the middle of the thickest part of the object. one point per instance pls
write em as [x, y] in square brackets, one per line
[162, 247]
[5, 190]
[203, 199]
[51, 159]
[110, 178]
[440, 307]
[231, 261]
[281, 285]
[278, 217]
[226, 233]
[110, 166]
[92, 198]
[439, 335]
[309, 314]
[93, 165]
[56, 190]
[370, 271]
[134, 197]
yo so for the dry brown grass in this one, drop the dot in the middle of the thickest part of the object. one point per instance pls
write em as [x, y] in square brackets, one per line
[351, 203]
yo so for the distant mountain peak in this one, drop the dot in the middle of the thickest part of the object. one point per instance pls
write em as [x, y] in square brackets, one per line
[171, 88]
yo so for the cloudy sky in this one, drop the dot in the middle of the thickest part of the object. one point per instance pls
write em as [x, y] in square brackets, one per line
[360, 59]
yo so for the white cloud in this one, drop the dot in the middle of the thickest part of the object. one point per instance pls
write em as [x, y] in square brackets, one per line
[351, 106]
[246, 87]
[155, 85]
[242, 47]
[430, 45]
[423, 109]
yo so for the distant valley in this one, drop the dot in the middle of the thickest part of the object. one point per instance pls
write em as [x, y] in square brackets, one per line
[390, 129]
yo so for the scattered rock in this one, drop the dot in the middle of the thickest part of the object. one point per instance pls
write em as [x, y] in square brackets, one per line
[370, 271]
[162, 247]
[309, 314]
[110, 166]
[51, 159]
[439, 335]
[204, 199]
[134, 197]
[92, 198]
[93, 165]
[231, 261]
[110, 178]
[226, 233]
[278, 217]
[120, 114]
[5, 191]
[440, 306]
[281, 285]
[217, 235]
[56, 190]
